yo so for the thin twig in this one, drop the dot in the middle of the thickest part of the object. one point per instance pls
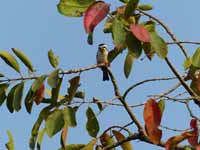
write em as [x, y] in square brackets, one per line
[158, 96]
[145, 81]
[116, 126]
[190, 112]
[173, 129]
[184, 42]
[105, 103]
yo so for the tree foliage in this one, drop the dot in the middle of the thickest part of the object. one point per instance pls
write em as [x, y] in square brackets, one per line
[134, 30]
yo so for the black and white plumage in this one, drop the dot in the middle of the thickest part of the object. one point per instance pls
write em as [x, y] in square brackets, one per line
[102, 57]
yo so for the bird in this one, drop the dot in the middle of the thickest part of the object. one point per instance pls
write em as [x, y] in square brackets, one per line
[102, 57]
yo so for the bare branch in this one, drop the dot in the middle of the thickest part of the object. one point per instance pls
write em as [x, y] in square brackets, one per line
[184, 42]
[190, 112]
[158, 96]
[117, 93]
[145, 81]
[173, 129]
[71, 71]
[105, 103]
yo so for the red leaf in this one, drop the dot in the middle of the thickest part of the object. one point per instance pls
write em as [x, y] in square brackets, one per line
[140, 33]
[197, 147]
[173, 141]
[194, 139]
[95, 14]
[152, 117]
[39, 94]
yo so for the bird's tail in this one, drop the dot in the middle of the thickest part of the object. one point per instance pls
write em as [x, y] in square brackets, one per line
[105, 74]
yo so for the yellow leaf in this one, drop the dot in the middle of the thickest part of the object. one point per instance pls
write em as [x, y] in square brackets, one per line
[119, 136]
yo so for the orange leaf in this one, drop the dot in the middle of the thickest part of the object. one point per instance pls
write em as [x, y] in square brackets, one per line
[63, 137]
[194, 139]
[39, 94]
[94, 15]
[106, 140]
[152, 117]
[173, 141]
[140, 32]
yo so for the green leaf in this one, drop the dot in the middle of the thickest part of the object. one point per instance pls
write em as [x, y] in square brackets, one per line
[92, 124]
[53, 78]
[193, 86]
[40, 138]
[158, 45]
[148, 50]
[23, 58]
[134, 45]
[107, 140]
[18, 93]
[73, 8]
[189, 148]
[10, 99]
[124, 1]
[118, 34]
[90, 145]
[187, 63]
[108, 25]
[161, 104]
[10, 60]
[90, 38]
[70, 116]
[34, 133]
[149, 25]
[3, 89]
[130, 57]
[1, 75]
[80, 95]
[73, 147]
[99, 104]
[55, 91]
[54, 123]
[38, 82]
[10, 144]
[145, 7]
[29, 100]
[32, 141]
[196, 58]
[113, 54]
[130, 7]
[54, 60]
[74, 84]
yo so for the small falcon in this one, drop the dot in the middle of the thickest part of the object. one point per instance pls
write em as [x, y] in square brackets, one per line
[102, 57]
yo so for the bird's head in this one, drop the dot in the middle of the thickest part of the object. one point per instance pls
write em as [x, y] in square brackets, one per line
[103, 47]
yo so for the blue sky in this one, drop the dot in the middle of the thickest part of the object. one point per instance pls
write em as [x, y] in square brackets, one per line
[36, 26]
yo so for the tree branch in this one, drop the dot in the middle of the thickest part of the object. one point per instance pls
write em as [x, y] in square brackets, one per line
[137, 136]
[173, 37]
[184, 84]
[71, 71]
[145, 81]
[127, 108]
[184, 42]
